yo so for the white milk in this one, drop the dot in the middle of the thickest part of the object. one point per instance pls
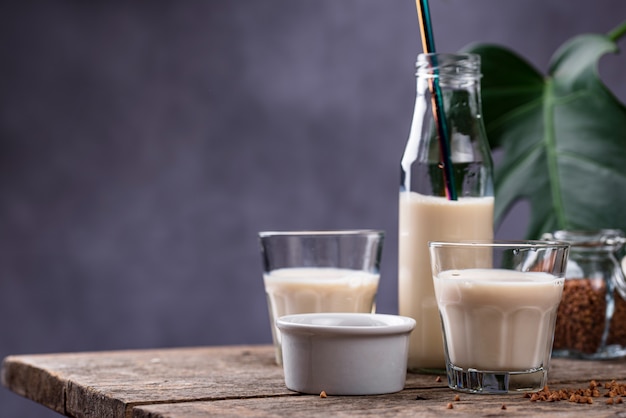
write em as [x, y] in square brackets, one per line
[311, 289]
[498, 320]
[423, 219]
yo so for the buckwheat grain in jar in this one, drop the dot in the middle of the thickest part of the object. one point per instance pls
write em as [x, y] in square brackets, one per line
[591, 319]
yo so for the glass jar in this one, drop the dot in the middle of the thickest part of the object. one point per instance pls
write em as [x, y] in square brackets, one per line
[591, 320]
[426, 212]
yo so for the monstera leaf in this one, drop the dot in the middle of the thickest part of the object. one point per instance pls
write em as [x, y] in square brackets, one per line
[563, 136]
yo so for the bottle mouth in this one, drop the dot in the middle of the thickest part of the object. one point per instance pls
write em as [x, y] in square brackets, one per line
[445, 64]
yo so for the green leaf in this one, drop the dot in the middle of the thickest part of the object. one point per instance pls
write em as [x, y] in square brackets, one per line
[563, 137]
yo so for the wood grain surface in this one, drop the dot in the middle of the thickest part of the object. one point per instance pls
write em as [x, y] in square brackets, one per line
[245, 381]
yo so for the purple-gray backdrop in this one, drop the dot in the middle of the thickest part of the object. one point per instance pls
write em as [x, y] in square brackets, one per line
[143, 144]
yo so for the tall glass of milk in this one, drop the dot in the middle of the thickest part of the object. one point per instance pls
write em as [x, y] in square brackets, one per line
[320, 271]
[498, 303]
[426, 214]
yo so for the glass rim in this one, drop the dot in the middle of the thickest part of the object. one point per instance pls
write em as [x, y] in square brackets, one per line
[589, 237]
[455, 55]
[438, 64]
[520, 244]
[322, 233]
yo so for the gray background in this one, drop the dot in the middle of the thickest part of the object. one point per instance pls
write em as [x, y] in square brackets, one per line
[143, 144]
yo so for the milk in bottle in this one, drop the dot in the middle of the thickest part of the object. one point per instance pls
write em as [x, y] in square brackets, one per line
[426, 213]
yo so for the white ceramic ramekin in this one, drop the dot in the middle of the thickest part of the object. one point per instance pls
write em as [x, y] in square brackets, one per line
[345, 353]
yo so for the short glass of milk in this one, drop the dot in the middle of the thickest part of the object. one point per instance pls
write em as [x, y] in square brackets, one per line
[498, 302]
[320, 271]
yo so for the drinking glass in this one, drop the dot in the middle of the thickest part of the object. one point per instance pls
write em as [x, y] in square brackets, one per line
[498, 302]
[320, 271]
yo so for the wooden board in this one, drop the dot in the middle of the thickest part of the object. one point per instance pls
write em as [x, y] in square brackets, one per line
[431, 403]
[245, 381]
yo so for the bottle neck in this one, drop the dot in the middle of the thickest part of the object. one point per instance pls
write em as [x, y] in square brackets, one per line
[452, 83]
[456, 77]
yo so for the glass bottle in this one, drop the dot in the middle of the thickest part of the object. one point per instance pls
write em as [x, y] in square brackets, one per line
[591, 320]
[426, 214]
